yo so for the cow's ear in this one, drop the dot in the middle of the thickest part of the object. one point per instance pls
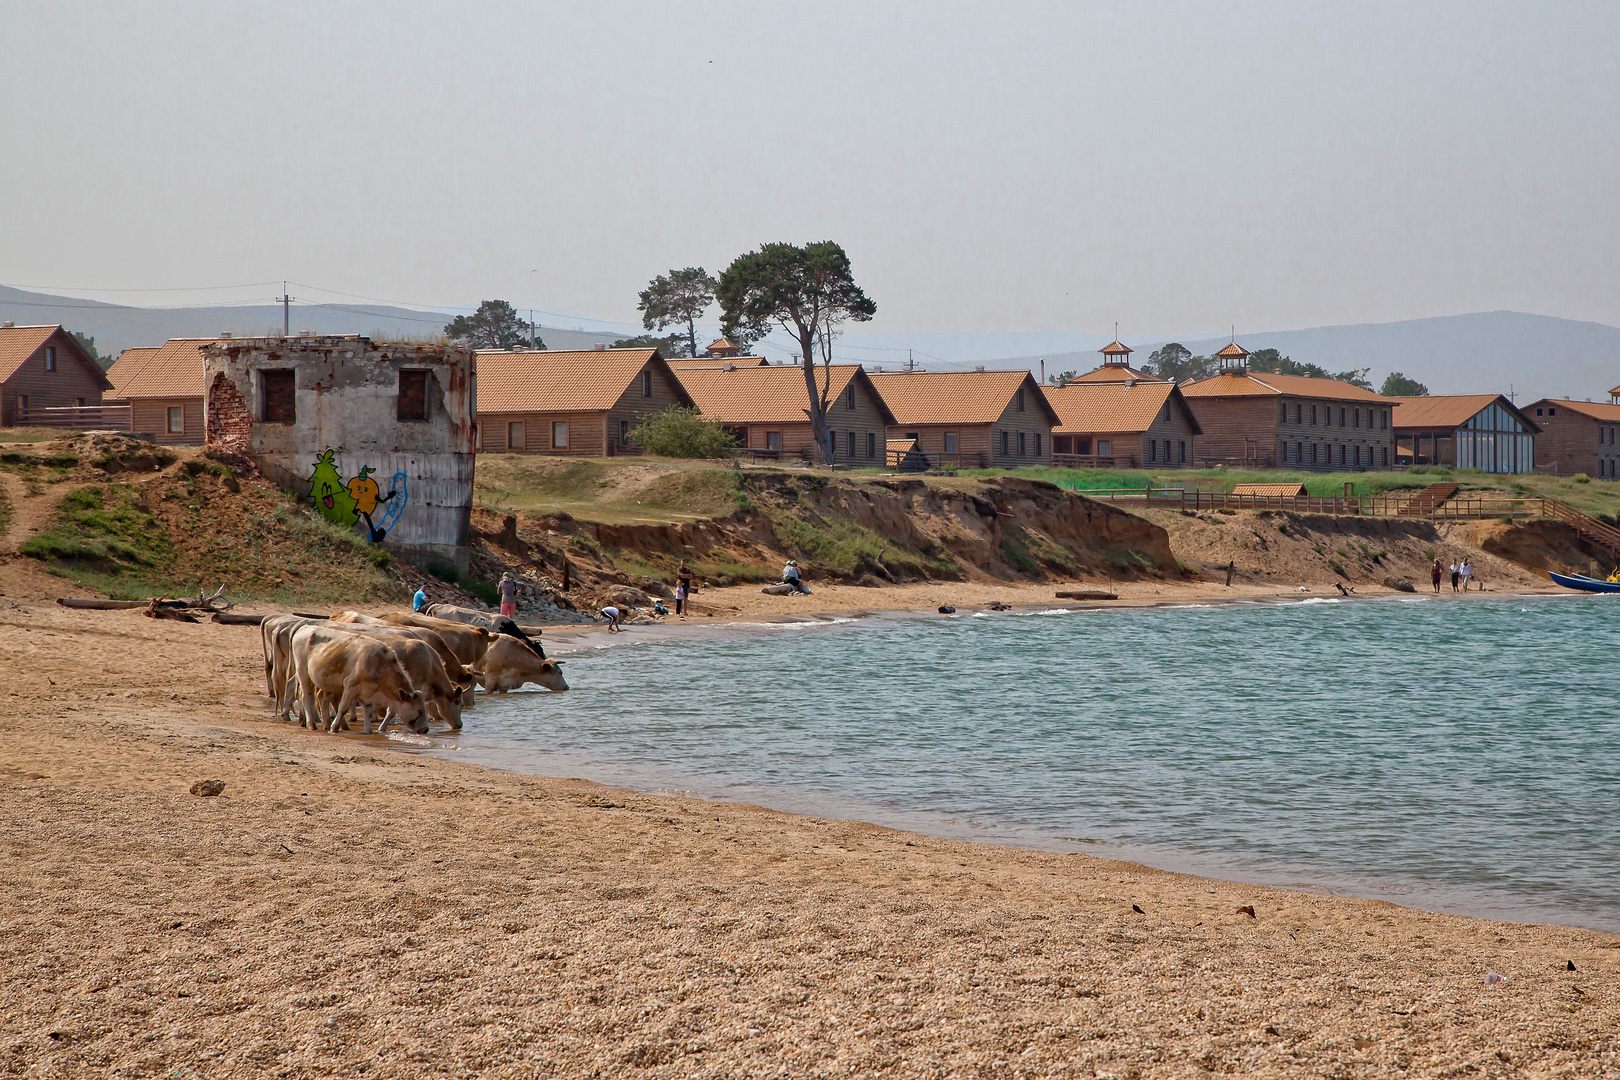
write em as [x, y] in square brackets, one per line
[558, 663]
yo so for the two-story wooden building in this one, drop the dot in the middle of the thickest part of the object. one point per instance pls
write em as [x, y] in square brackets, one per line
[970, 419]
[581, 404]
[766, 408]
[45, 367]
[1126, 424]
[1263, 420]
[1466, 431]
[1577, 437]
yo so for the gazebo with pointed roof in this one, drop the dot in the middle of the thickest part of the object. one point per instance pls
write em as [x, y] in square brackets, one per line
[1232, 357]
[722, 347]
[1116, 365]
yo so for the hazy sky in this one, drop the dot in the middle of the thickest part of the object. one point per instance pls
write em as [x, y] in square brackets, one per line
[989, 166]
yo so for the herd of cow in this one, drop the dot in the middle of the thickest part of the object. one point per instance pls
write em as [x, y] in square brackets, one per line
[401, 666]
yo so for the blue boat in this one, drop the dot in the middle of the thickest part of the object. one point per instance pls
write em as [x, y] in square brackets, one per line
[1584, 583]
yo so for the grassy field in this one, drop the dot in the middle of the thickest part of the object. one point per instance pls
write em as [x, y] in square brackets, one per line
[638, 490]
[34, 434]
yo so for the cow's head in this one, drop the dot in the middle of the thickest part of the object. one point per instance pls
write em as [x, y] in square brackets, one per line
[412, 709]
[550, 675]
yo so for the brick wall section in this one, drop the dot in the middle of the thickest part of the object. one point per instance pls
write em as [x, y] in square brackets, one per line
[1241, 428]
[228, 418]
[1572, 442]
[73, 379]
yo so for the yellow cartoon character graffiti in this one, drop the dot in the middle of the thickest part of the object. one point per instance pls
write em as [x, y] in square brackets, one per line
[364, 491]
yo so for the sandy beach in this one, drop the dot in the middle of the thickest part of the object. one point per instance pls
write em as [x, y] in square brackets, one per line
[347, 907]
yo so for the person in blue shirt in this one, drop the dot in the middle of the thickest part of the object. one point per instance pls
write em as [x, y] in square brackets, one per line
[420, 600]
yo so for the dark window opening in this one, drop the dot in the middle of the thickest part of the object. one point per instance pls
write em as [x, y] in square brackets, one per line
[646, 384]
[280, 396]
[50, 358]
[413, 401]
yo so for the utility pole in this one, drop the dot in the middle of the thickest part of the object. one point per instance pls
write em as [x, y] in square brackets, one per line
[531, 328]
[286, 313]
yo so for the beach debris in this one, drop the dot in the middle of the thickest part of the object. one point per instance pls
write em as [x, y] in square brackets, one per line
[1492, 978]
[997, 605]
[946, 609]
[1342, 590]
[207, 788]
[1137, 909]
[1085, 594]
[1398, 585]
[1247, 909]
[1571, 966]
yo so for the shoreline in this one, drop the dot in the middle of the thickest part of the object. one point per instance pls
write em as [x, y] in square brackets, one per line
[338, 909]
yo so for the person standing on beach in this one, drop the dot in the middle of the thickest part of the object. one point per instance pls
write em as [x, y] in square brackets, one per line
[1465, 571]
[1456, 572]
[683, 588]
[508, 589]
[1434, 573]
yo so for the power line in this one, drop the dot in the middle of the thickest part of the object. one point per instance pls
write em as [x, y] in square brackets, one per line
[86, 288]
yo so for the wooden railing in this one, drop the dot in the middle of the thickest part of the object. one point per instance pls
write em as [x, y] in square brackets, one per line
[111, 417]
[1092, 461]
[917, 461]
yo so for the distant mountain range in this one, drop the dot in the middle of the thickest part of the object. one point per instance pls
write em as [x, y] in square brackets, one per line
[1508, 352]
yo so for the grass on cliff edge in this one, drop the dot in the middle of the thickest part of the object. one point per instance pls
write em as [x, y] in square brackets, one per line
[621, 491]
[181, 534]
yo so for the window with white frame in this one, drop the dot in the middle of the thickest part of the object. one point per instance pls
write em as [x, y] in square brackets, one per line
[559, 434]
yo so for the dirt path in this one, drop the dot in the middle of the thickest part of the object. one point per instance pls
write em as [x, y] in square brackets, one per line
[29, 513]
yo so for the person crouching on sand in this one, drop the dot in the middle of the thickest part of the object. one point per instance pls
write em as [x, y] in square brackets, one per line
[611, 614]
[791, 576]
[1434, 574]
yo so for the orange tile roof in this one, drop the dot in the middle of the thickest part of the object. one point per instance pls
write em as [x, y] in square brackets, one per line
[1596, 410]
[1233, 351]
[683, 362]
[766, 395]
[172, 370]
[1265, 384]
[588, 380]
[128, 363]
[18, 343]
[1116, 348]
[955, 397]
[1115, 373]
[1269, 489]
[1448, 410]
[1109, 407]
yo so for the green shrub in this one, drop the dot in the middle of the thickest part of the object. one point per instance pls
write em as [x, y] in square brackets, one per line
[679, 432]
[1581, 478]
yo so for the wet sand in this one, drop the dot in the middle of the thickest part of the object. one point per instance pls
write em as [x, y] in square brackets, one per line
[346, 908]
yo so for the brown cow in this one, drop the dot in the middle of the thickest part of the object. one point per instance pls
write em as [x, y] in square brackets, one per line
[469, 643]
[359, 672]
[453, 666]
[443, 691]
[509, 664]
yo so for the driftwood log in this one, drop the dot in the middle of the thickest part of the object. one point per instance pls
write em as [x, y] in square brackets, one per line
[1085, 594]
[229, 618]
[154, 607]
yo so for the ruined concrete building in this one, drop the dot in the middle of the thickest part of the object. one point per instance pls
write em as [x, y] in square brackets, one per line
[379, 436]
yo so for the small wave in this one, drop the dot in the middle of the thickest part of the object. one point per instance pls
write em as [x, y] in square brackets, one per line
[1048, 611]
[1323, 600]
[981, 614]
[1413, 599]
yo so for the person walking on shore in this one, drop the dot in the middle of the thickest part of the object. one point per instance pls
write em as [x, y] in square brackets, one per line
[1434, 573]
[508, 589]
[683, 588]
[1465, 571]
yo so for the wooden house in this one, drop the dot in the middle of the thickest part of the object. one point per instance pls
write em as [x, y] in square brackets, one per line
[766, 408]
[1467, 431]
[163, 388]
[45, 367]
[578, 404]
[1577, 437]
[1263, 420]
[1126, 424]
[970, 419]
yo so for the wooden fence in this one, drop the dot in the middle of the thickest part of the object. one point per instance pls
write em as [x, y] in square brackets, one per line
[1398, 504]
[110, 417]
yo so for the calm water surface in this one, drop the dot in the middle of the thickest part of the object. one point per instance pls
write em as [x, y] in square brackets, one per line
[1460, 756]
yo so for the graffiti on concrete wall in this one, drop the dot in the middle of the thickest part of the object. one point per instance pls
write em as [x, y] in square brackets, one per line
[357, 500]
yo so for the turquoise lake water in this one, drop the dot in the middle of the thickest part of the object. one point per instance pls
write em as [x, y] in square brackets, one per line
[1451, 755]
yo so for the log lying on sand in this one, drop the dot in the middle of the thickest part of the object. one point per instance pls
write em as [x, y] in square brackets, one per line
[230, 618]
[100, 605]
[1083, 594]
[777, 590]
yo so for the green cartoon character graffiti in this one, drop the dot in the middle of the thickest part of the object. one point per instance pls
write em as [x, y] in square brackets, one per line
[349, 503]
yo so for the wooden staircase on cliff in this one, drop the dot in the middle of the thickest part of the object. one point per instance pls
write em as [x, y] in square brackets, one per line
[1427, 501]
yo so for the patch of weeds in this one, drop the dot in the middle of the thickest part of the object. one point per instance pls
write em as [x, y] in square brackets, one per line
[1016, 553]
[1336, 568]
